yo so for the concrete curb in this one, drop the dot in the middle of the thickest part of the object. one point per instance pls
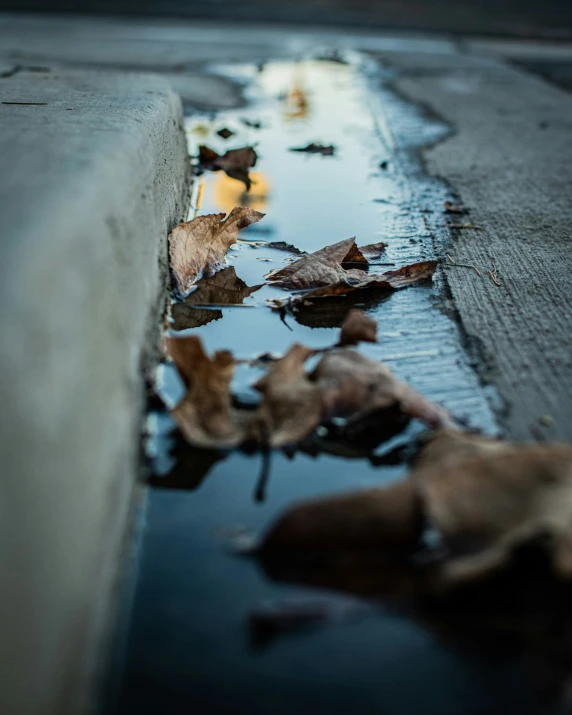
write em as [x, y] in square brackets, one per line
[95, 174]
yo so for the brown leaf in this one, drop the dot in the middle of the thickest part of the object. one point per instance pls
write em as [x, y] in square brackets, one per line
[235, 162]
[373, 251]
[316, 149]
[204, 415]
[355, 386]
[198, 248]
[488, 497]
[283, 246]
[358, 327]
[322, 274]
[380, 519]
[224, 288]
[292, 405]
[225, 133]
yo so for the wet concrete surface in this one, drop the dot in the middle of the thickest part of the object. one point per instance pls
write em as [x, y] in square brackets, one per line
[187, 642]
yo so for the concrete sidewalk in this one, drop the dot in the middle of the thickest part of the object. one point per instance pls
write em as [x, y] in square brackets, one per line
[95, 173]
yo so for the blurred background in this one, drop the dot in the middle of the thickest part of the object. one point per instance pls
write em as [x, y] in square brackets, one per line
[551, 19]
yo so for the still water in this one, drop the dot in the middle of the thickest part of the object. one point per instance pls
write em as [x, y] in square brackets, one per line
[188, 648]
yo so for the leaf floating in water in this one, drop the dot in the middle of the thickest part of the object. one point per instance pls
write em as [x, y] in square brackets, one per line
[294, 402]
[224, 288]
[322, 272]
[357, 328]
[198, 248]
[225, 133]
[205, 415]
[236, 163]
[316, 149]
[283, 246]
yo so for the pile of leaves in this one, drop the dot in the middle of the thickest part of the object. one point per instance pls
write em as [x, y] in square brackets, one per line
[198, 248]
[344, 385]
[485, 498]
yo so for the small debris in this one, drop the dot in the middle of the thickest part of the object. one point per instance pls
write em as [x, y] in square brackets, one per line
[461, 226]
[451, 208]
[494, 276]
[463, 265]
[316, 149]
[225, 133]
[283, 246]
[383, 164]
[251, 123]
[29, 104]
[546, 420]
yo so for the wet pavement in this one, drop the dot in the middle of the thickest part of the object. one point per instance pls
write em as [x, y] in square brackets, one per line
[187, 642]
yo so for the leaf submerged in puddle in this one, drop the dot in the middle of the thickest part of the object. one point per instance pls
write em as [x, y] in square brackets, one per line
[236, 163]
[224, 288]
[485, 497]
[357, 328]
[344, 385]
[322, 273]
[198, 248]
[489, 497]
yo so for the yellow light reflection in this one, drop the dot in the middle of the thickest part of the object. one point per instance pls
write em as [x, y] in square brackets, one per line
[228, 193]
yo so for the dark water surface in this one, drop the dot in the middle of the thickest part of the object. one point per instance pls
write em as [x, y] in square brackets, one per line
[188, 647]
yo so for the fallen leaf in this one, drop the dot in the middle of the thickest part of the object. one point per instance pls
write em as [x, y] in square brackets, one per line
[291, 404]
[358, 327]
[354, 387]
[373, 251]
[322, 273]
[225, 133]
[224, 288]
[283, 246]
[236, 163]
[198, 248]
[372, 519]
[488, 497]
[205, 415]
[316, 149]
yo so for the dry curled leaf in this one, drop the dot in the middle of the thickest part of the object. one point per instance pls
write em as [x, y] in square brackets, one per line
[198, 248]
[291, 404]
[294, 402]
[322, 273]
[358, 327]
[224, 288]
[236, 163]
[205, 415]
[354, 387]
[316, 149]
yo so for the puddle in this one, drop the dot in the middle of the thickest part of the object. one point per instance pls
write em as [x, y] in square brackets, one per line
[189, 648]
